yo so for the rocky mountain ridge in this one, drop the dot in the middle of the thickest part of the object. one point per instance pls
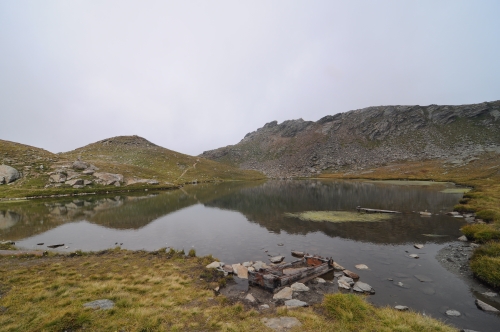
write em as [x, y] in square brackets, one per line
[366, 138]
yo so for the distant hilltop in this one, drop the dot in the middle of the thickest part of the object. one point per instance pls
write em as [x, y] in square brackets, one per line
[365, 138]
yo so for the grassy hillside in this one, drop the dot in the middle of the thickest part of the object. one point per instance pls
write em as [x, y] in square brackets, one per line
[130, 156]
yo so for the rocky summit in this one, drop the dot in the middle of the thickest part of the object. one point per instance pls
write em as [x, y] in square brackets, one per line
[365, 138]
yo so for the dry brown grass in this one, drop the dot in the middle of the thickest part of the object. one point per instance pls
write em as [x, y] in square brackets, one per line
[160, 291]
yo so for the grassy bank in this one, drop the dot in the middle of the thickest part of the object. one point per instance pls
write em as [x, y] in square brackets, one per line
[483, 175]
[161, 291]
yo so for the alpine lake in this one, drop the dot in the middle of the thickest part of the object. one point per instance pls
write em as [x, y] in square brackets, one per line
[250, 221]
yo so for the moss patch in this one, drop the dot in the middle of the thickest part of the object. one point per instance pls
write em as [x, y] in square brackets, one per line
[339, 216]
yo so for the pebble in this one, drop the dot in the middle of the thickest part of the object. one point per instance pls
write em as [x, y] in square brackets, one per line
[414, 256]
[418, 246]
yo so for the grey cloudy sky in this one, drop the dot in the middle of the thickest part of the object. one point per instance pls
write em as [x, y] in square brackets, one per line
[197, 75]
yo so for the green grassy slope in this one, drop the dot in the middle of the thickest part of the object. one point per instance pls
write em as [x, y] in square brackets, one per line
[131, 156]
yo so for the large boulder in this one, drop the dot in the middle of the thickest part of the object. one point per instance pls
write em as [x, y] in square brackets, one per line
[8, 174]
[109, 179]
[80, 165]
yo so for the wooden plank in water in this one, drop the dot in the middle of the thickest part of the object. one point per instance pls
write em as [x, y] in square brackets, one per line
[367, 210]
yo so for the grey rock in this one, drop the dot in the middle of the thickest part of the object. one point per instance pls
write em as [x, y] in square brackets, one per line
[299, 287]
[351, 274]
[319, 280]
[418, 246]
[264, 307]
[414, 256]
[299, 254]
[463, 238]
[109, 178]
[401, 308]
[88, 171]
[213, 265]
[295, 303]
[362, 287]
[259, 265]
[343, 284]
[453, 313]
[348, 280]
[490, 294]
[87, 182]
[250, 298]
[338, 267]
[78, 186]
[361, 267]
[247, 264]
[485, 306]
[277, 259]
[75, 182]
[284, 294]
[281, 324]
[57, 178]
[153, 182]
[103, 304]
[80, 165]
[8, 174]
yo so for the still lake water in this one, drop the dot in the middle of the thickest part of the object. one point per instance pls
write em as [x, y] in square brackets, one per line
[237, 222]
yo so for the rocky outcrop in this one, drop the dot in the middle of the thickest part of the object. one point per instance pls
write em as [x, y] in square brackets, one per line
[368, 137]
[109, 179]
[8, 174]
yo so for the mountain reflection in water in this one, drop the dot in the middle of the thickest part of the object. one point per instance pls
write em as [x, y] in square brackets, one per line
[264, 203]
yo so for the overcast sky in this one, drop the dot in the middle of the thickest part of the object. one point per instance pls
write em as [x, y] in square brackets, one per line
[197, 75]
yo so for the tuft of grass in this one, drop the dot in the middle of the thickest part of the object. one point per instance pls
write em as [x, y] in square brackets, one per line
[485, 263]
[192, 252]
[339, 216]
[481, 233]
[488, 215]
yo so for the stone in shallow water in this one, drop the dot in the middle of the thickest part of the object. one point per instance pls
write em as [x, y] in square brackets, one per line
[281, 324]
[423, 278]
[418, 246]
[295, 303]
[401, 308]
[361, 267]
[362, 287]
[338, 267]
[351, 274]
[453, 313]
[277, 259]
[414, 256]
[103, 304]
[284, 294]
[350, 281]
[490, 294]
[485, 306]
[259, 265]
[343, 284]
[299, 287]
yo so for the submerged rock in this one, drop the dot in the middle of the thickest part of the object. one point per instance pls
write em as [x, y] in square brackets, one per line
[351, 274]
[418, 246]
[361, 267]
[423, 278]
